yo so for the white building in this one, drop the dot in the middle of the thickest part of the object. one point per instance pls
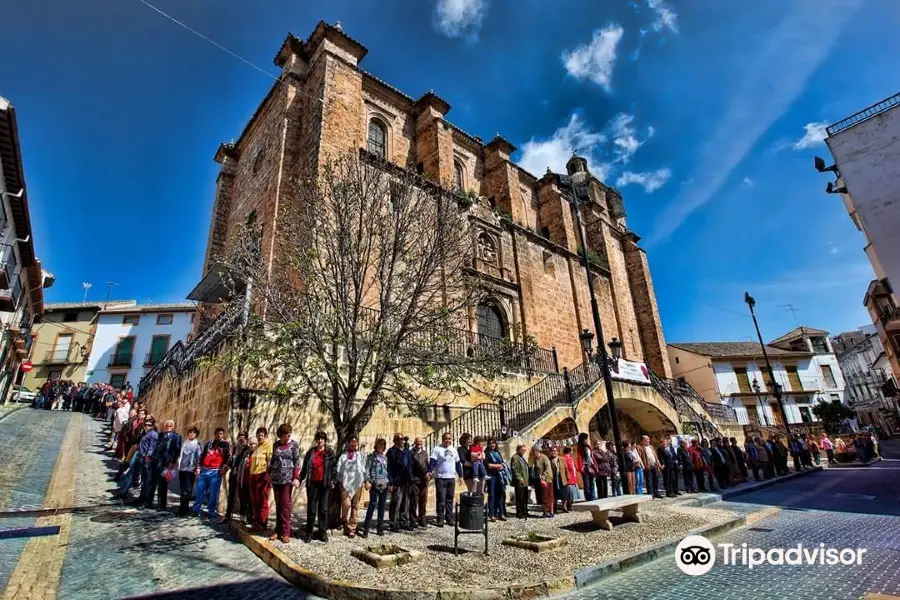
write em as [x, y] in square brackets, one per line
[131, 339]
[734, 373]
[871, 387]
[866, 151]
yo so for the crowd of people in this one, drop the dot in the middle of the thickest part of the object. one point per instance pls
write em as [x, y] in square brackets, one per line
[397, 478]
[93, 398]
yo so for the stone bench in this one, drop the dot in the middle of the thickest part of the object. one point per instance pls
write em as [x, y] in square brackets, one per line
[599, 509]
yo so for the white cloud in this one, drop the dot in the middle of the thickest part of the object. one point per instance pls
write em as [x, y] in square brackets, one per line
[651, 181]
[651, 131]
[607, 150]
[832, 249]
[595, 61]
[770, 84]
[624, 136]
[458, 18]
[666, 18]
[748, 182]
[555, 151]
[814, 134]
[816, 279]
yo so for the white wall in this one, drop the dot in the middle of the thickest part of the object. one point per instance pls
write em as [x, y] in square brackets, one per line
[811, 378]
[868, 157]
[110, 329]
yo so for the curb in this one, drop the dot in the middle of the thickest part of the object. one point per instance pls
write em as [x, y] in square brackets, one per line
[770, 482]
[857, 465]
[589, 575]
[13, 408]
[344, 590]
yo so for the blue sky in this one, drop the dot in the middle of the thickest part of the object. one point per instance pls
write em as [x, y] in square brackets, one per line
[706, 115]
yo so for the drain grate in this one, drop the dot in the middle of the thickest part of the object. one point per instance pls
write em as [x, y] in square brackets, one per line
[762, 529]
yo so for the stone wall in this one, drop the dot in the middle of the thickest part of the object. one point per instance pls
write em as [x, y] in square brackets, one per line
[200, 398]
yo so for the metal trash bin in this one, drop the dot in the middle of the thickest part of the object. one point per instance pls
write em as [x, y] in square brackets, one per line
[471, 511]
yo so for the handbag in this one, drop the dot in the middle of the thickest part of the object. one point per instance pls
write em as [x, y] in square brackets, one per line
[169, 474]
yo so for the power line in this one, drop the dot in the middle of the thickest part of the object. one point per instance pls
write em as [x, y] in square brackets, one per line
[211, 41]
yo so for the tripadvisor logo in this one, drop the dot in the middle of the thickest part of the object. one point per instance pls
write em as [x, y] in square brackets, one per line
[696, 555]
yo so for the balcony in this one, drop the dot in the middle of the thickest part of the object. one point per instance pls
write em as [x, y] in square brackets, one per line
[154, 358]
[120, 360]
[58, 357]
[890, 317]
[10, 296]
[6, 274]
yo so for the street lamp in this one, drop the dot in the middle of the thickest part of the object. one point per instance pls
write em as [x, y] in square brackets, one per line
[615, 348]
[776, 389]
[758, 390]
[587, 343]
[569, 182]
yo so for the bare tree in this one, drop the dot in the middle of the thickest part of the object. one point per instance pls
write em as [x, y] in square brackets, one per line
[367, 295]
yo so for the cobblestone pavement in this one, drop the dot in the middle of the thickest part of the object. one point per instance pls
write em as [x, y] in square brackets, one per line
[112, 551]
[841, 508]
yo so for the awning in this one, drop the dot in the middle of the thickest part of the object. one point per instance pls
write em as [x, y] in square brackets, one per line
[215, 287]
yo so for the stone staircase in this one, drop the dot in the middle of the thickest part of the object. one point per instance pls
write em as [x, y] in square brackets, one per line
[505, 419]
[693, 409]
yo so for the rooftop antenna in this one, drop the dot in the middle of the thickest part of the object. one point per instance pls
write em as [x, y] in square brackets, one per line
[86, 285]
[109, 287]
[793, 310]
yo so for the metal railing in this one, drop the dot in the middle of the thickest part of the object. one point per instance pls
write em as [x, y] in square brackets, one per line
[121, 360]
[686, 401]
[57, 356]
[868, 113]
[154, 358]
[888, 314]
[448, 341]
[15, 291]
[8, 270]
[508, 418]
[525, 408]
[483, 420]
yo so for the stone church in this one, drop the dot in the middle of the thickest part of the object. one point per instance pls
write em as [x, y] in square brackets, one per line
[527, 245]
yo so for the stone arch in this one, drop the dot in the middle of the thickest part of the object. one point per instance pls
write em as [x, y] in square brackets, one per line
[459, 175]
[490, 315]
[643, 404]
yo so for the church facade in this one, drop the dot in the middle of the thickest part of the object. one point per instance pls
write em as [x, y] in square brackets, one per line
[528, 250]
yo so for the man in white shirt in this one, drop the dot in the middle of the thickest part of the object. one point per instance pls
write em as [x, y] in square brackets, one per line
[651, 467]
[444, 464]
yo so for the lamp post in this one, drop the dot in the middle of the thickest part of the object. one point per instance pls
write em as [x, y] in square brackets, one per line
[602, 357]
[762, 406]
[776, 389]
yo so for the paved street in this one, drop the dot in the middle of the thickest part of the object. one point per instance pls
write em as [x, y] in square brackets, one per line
[842, 508]
[102, 550]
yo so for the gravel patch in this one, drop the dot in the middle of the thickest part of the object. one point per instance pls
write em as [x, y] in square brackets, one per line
[587, 545]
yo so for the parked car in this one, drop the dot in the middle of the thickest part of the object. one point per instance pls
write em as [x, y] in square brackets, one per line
[23, 394]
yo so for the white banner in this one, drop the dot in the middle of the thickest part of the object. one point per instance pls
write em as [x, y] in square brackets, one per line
[630, 371]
